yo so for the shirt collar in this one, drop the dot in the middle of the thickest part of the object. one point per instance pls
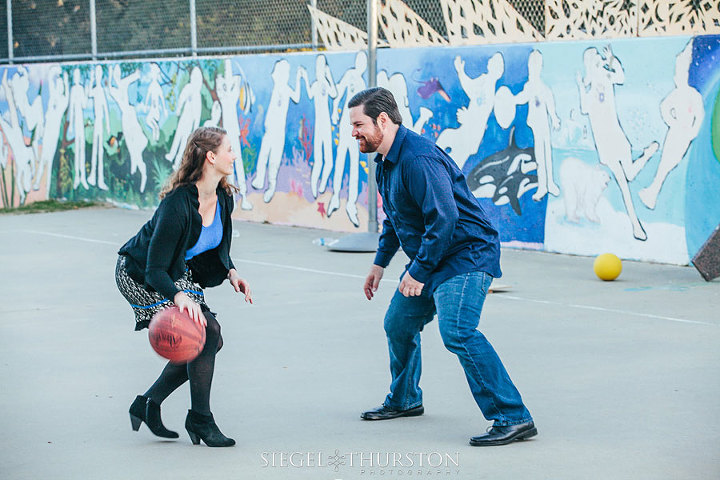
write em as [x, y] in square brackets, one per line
[392, 155]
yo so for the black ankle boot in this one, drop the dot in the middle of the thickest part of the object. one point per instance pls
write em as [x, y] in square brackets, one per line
[154, 421]
[137, 412]
[203, 427]
[145, 410]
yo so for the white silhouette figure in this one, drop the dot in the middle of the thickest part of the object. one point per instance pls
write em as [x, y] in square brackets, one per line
[97, 93]
[351, 83]
[32, 113]
[4, 151]
[23, 154]
[683, 112]
[76, 127]
[541, 109]
[464, 141]
[154, 103]
[58, 98]
[190, 105]
[135, 139]
[321, 89]
[398, 87]
[215, 115]
[597, 101]
[273, 142]
[228, 88]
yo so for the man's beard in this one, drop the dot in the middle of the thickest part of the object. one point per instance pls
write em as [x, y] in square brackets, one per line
[370, 144]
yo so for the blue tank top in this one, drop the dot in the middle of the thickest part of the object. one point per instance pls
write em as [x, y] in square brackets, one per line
[210, 237]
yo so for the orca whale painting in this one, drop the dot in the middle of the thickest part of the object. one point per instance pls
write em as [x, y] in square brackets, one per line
[505, 176]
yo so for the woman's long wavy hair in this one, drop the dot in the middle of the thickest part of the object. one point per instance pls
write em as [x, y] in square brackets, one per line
[202, 141]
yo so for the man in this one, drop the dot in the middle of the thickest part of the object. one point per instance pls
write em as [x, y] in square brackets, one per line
[454, 253]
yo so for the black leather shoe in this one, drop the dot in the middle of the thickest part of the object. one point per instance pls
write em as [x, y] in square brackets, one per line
[502, 435]
[386, 413]
[145, 410]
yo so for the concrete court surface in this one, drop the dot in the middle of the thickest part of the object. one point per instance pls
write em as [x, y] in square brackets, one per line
[622, 377]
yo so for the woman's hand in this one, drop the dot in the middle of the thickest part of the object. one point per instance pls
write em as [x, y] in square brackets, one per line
[240, 285]
[186, 304]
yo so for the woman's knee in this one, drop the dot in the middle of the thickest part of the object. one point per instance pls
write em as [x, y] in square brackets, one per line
[212, 329]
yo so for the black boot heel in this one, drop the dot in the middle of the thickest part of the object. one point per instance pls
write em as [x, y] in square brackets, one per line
[135, 422]
[137, 412]
[194, 438]
[203, 427]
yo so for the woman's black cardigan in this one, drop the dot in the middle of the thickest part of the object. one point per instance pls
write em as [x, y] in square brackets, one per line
[157, 253]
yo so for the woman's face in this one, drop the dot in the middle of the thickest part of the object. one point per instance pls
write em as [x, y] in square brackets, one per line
[225, 157]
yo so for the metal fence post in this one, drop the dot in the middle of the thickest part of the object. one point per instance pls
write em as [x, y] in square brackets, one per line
[193, 29]
[366, 241]
[11, 48]
[93, 31]
[372, 81]
[313, 25]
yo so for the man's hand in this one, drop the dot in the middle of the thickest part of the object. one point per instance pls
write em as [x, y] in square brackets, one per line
[409, 286]
[373, 281]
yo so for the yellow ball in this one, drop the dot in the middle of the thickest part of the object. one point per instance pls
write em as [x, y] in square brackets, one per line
[607, 266]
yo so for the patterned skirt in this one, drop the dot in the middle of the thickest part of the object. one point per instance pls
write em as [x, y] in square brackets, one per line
[145, 303]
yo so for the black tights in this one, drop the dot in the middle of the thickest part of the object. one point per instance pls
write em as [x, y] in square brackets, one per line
[199, 371]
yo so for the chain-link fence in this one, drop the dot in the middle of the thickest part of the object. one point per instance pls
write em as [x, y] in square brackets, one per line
[39, 30]
[249, 23]
[531, 10]
[45, 28]
[136, 26]
[3, 28]
[67, 29]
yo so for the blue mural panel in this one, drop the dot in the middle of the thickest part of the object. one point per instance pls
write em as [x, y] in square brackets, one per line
[702, 201]
[575, 147]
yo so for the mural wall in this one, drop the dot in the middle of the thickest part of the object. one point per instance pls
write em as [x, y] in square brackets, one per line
[571, 147]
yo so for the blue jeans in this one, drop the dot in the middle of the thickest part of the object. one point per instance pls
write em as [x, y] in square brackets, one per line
[458, 303]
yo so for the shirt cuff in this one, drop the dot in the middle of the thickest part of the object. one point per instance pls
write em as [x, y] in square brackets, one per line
[418, 272]
[382, 259]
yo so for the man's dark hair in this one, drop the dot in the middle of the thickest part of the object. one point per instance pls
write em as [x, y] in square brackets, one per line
[375, 101]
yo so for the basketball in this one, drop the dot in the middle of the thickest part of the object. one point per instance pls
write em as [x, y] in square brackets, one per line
[175, 336]
[607, 266]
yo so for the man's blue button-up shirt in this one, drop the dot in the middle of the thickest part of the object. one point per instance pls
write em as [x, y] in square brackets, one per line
[432, 214]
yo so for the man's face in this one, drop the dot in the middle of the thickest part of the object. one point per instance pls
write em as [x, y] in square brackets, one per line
[368, 135]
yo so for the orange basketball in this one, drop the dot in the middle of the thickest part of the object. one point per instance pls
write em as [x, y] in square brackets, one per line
[175, 336]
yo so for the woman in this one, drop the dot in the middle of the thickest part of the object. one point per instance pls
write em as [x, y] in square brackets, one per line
[183, 248]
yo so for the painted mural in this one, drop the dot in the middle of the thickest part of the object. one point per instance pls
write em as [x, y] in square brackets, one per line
[571, 147]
